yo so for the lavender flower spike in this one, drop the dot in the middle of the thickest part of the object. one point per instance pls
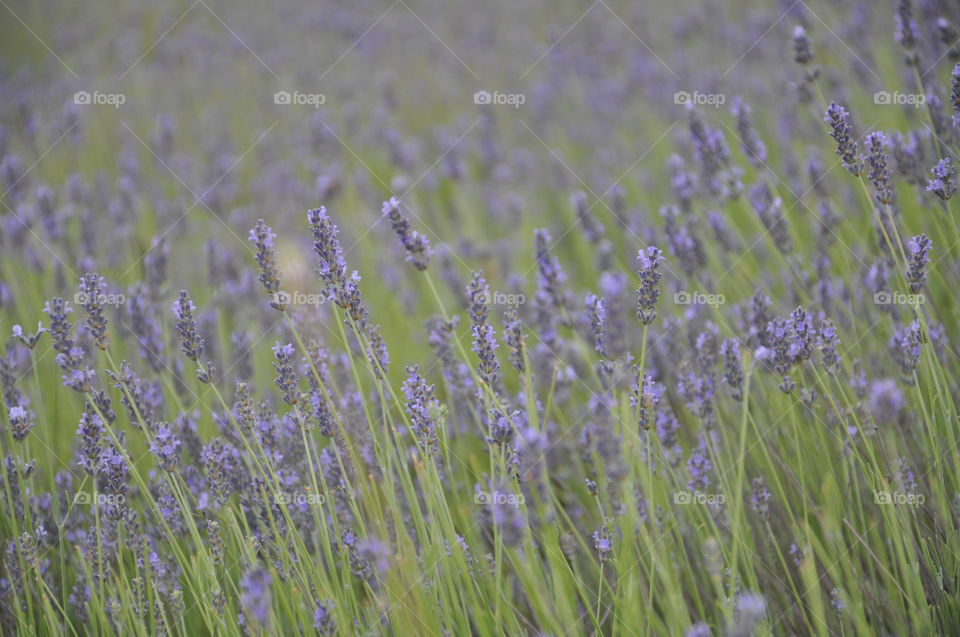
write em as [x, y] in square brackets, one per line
[732, 367]
[417, 246]
[906, 31]
[164, 447]
[753, 146]
[262, 237]
[880, 174]
[955, 94]
[944, 183]
[422, 408]
[649, 291]
[827, 342]
[21, 422]
[783, 353]
[919, 257]
[287, 379]
[598, 319]
[91, 298]
[842, 132]
[190, 341]
[331, 266]
[802, 50]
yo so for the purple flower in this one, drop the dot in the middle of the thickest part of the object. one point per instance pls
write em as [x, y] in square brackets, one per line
[597, 313]
[57, 310]
[485, 346]
[827, 342]
[944, 183]
[550, 277]
[784, 354]
[842, 132]
[422, 408]
[323, 621]
[513, 335]
[906, 32]
[69, 357]
[880, 174]
[750, 609]
[802, 51]
[369, 558]
[836, 601]
[760, 498]
[323, 412]
[89, 432]
[91, 297]
[501, 428]
[164, 447]
[644, 397]
[699, 466]
[30, 340]
[417, 247]
[287, 379]
[143, 323]
[255, 594]
[753, 146]
[113, 470]
[801, 325]
[919, 257]
[21, 422]
[732, 367]
[603, 542]
[906, 346]
[331, 266]
[955, 93]
[478, 298]
[190, 342]
[772, 215]
[649, 291]
[885, 400]
[262, 237]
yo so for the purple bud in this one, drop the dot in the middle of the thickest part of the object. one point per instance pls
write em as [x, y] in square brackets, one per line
[919, 257]
[944, 184]
[417, 247]
[649, 291]
[842, 132]
[262, 237]
[190, 342]
[287, 379]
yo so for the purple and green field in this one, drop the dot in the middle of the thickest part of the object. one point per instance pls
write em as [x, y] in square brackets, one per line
[425, 318]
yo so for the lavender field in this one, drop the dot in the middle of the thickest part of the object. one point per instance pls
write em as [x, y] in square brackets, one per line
[497, 319]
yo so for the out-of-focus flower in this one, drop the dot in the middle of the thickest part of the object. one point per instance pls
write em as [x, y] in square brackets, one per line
[417, 247]
[944, 183]
[919, 257]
